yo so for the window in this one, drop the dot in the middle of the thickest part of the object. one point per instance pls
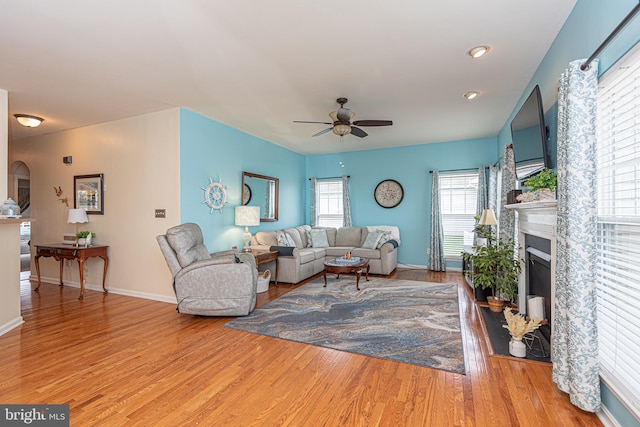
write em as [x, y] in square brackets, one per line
[458, 196]
[618, 262]
[329, 209]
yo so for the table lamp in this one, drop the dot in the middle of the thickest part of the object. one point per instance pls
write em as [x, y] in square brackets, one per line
[247, 216]
[488, 218]
[77, 216]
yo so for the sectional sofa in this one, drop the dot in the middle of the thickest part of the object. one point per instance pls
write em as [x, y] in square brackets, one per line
[303, 249]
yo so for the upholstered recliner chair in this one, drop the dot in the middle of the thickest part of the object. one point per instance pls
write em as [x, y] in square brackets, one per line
[217, 284]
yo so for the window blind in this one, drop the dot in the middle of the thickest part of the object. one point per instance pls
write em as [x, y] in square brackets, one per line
[458, 196]
[618, 239]
[329, 209]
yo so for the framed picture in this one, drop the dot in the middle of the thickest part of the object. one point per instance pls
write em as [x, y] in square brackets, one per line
[88, 193]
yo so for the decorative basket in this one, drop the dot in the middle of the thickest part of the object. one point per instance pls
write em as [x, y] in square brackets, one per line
[263, 281]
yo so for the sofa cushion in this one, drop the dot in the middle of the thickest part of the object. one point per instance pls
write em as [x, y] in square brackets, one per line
[284, 239]
[307, 255]
[348, 236]
[267, 238]
[295, 236]
[319, 238]
[337, 251]
[373, 237]
[187, 242]
[304, 230]
[366, 253]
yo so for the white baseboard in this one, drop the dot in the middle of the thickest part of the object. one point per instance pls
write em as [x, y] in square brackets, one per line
[424, 267]
[11, 325]
[606, 418]
[112, 290]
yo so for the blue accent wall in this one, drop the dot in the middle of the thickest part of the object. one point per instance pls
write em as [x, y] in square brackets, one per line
[209, 149]
[409, 166]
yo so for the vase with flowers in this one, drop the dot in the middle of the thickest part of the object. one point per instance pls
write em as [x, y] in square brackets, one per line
[518, 327]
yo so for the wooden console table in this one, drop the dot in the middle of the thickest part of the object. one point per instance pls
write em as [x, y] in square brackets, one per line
[61, 252]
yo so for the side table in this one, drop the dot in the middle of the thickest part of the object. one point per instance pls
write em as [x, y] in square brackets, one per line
[60, 252]
[264, 257]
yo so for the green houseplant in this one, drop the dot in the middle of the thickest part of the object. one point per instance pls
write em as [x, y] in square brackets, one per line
[546, 178]
[84, 234]
[495, 267]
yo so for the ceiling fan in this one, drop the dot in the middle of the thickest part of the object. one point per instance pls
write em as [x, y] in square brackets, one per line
[342, 124]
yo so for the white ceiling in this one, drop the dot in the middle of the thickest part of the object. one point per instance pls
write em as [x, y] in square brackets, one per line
[259, 65]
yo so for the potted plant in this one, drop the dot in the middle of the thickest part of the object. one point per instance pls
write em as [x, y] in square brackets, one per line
[518, 327]
[84, 237]
[544, 183]
[496, 267]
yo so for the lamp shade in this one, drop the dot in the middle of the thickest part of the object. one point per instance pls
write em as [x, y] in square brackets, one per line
[247, 216]
[77, 216]
[488, 218]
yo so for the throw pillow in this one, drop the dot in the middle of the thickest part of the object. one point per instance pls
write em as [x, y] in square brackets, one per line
[282, 239]
[384, 238]
[309, 242]
[319, 239]
[290, 241]
[371, 242]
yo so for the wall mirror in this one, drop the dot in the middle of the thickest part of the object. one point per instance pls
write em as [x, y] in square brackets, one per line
[262, 191]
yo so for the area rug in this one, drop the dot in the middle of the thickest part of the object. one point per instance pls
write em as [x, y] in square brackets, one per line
[402, 320]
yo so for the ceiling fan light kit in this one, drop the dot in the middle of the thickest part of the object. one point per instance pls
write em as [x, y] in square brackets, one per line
[342, 122]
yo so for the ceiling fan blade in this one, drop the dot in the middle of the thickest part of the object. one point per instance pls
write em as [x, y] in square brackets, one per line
[302, 121]
[344, 114]
[373, 123]
[358, 132]
[322, 132]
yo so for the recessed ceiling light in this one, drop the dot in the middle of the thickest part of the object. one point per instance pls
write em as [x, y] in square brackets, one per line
[28, 121]
[470, 95]
[478, 51]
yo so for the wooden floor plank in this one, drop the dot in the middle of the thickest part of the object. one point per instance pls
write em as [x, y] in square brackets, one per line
[119, 360]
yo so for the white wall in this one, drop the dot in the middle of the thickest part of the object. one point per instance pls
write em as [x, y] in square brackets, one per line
[4, 144]
[139, 158]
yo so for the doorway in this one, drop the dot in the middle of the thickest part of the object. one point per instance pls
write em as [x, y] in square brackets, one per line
[20, 192]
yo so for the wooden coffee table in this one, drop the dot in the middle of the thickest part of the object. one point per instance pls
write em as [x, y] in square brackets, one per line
[337, 267]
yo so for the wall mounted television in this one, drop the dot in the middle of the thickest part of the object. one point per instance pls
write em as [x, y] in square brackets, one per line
[529, 136]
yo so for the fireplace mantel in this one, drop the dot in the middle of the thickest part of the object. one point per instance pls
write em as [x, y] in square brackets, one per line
[537, 218]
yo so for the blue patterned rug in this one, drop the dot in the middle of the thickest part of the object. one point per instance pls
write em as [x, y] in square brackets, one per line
[401, 320]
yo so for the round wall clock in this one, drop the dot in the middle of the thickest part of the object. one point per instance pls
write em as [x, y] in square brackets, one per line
[246, 194]
[215, 195]
[388, 193]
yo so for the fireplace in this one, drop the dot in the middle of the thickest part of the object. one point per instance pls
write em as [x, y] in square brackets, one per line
[537, 240]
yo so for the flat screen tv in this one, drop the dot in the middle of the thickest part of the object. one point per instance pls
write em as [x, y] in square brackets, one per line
[529, 137]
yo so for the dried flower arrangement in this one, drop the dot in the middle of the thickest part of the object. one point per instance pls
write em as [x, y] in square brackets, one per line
[517, 325]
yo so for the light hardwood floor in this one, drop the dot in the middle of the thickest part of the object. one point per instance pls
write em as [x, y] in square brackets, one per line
[119, 360]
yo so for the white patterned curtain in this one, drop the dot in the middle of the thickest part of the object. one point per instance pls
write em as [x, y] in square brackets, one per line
[575, 337]
[481, 198]
[436, 259]
[482, 202]
[492, 191]
[346, 202]
[507, 216]
[314, 217]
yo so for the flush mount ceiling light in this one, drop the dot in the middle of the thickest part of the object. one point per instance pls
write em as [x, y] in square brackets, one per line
[470, 95]
[28, 121]
[478, 51]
